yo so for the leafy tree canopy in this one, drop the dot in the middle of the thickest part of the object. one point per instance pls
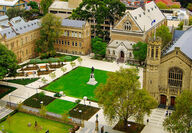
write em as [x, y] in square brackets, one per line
[8, 62]
[140, 51]
[121, 97]
[50, 31]
[184, 3]
[14, 12]
[98, 46]
[99, 10]
[45, 4]
[33, 5]
[164, 33]
[162, 5]
[180, 120]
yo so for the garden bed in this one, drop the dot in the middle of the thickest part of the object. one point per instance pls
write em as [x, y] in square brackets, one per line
[44, 72]
[4, 90]
[87, 112]
[22, 81]
[30, 68]
[35, 100]
[131, 127]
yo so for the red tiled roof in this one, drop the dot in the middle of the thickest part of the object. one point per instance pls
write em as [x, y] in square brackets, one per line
[168, 2]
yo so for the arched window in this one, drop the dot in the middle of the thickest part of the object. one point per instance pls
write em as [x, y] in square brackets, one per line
[127, 26]
[130, 55]
[175, 77]
[109, 52]
[113, 52]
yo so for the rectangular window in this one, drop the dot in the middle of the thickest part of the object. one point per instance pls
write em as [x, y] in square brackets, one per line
[68, 43]
[157, 50]
[152, 52]
[75, 34]
[65, 42]
[67, 33]
[75, 43]
[79, 34]
[72, 33]
[72, 43]
[80, 44]
[62, 42]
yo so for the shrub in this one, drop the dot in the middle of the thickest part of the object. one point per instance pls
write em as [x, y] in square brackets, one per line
[42, 94]
[53, 53]
[57, 95]
[77, 101]
[68, 58]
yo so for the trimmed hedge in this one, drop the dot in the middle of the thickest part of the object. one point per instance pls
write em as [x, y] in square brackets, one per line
[7, 92]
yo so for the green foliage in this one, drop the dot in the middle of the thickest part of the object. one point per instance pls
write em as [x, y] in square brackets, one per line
[121, 97]
[44, 80]
[50, 31]
[140, 51]
[190, 20]
[162, 5]
[77, 101]
[180, 26]
[184, 3]
[99, 10]
[63, 69]
[65, 117]
[175, 6]
[33, 5]
[79, 60]
[98, 46]
[8, 62]
[14, 12]
[43, 110]
[45, 4]
[165, 35]
[31, 14]
[73, 64]
[57, 94]
[180, 120]
[52, 75]
[189, 6]
[41, 94]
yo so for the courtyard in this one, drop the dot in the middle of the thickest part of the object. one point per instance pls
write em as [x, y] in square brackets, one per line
[74, 83]
[22, 122]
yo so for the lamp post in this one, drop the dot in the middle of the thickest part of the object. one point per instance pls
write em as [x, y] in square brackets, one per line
[97, 124]
[84, 98]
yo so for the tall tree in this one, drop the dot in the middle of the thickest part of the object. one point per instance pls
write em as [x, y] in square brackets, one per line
[121, 97]
[164, 33]
[99, 11]
[45, 4]
[98, 46]
[184, 3]
[8, 62]
[180, 120]
[33, 5]
[140, 51]
[14, 12]
[50, 31]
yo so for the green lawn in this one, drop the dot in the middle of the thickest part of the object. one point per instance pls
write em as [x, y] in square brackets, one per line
[75, 83]
[60, 106]
[23, 81]
[19, 124]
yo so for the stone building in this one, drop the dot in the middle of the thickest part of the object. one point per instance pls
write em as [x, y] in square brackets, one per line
[6, 4]
[20, 37]
[76, 38]
[64, 9]
[138, 25]
[120, 49]
[168, 74]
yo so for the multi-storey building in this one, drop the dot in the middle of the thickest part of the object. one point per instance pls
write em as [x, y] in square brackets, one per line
[6, 4]
[136, 25]
[168, 74]
[76, 37]
[21, 37]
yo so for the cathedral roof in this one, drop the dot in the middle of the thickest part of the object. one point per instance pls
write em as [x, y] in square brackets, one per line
[184, 43]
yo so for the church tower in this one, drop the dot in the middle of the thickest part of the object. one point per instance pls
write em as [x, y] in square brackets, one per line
[151, 73]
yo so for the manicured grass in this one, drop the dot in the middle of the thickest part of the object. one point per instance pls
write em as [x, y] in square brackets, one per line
[4, 90]
[87, 112]
[60, 106]
[23, 81]
[35, 100]
[75, 83]
[19, 124]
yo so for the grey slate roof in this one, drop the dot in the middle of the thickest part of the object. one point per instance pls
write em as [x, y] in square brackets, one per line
[8, 32]
[4, 17]
[177, 34]
[73, 23]
[184, 43]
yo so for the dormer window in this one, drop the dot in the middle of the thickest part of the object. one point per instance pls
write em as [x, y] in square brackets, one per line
[127, 26]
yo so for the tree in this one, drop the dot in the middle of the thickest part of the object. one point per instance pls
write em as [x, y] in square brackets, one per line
[52, 75]
[164, 34]
[140, 51]
[190, 20]
[121, 97]
[14, 12]
[33, 5]
[72, 64]
[79, 60]
[180, 26]
[8, 62]
[45, 4]
[175, 6]
[50, 31]
[98, 46]
[184, 3]
[162, 5]
[180, 120]
[99, 10]
[44, 80]
[63, 69]
[43, 110]
[31, 14]
[189, 6]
